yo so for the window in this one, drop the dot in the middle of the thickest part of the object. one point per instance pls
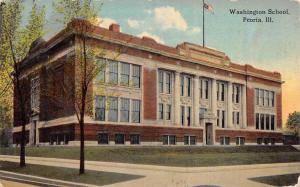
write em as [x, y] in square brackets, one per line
[161, 110]
[125, 69]
[236, 118]
[182, 115]
[168, 82]
[168, 112]
[189, 116]
[218, 118]
[189, 87]
[202, 111]
[262, 121]
[102, 138]
[169, 140]
[272, 140]
[124, 111]
[113, 109]
[223, 119]
[35, 93]
[237, 94]
[240, 141]
[113, 72]
[136, 110]
[266, 141]
[224, 140]
[257, 120]
[220, 91]
[181, 85]
[192, 140]
[257, 96]
[172, 140]
[134, 139]
[189, 140]
[100, 108]
[261, 97]
[272, 122]
[165, 139]
[102, 66]
[204, 89]
[267, 93]
[259, 141]
[119, 139]
[267, 122]
[161, 81]
[136, 73]
[201, 88]
[264, 97]
[272, 98]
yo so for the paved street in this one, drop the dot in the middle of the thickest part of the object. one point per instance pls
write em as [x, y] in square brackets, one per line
[157, 176]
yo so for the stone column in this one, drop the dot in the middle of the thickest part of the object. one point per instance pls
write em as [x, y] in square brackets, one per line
[244, 105]
[177, 98]
[196, 98]
[229, 105]
[214, 96]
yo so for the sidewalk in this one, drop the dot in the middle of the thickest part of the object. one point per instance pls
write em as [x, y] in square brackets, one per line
[175, 176]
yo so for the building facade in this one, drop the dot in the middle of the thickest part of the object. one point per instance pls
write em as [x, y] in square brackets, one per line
[151, 94]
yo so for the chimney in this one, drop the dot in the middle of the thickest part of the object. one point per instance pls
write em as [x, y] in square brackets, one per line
[114, 27]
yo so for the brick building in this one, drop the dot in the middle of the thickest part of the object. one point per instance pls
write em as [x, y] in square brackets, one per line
[154, 94]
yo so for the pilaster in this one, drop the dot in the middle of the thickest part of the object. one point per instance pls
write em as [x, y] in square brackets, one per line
[196, 98]
[229, 105]
[177, 98]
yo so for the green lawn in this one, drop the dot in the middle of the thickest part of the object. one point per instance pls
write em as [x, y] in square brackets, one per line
[67, 174]
[170, 156]
[278, 180]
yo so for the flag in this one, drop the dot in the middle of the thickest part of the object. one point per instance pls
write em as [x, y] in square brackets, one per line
[208, 7]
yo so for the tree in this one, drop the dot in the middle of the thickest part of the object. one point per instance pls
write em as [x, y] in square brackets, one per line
[85, 72]
[14, 47]
[293, 122]
[87, 62]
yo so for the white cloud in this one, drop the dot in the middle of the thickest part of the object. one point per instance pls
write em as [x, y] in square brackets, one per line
[233, 0]
[155, 37]
[168, 17]
[195, 29]
[298, 1]
[106, 22]
[133, 23]
[148, 11]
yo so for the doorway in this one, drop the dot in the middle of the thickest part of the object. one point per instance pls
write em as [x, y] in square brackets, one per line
[209, 133]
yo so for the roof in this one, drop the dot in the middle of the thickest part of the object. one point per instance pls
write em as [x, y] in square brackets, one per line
[185, 51]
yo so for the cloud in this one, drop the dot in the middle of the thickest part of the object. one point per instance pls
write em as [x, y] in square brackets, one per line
[148, 11]
[195, 29]
[133, 23]
[169, 18]
[233, 0]
[155, 37]
[106, 22]
[298, 1]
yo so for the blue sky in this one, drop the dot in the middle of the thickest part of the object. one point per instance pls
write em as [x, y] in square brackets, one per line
[272, 46]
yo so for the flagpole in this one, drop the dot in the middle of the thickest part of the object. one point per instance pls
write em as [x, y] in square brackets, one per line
[203, 40]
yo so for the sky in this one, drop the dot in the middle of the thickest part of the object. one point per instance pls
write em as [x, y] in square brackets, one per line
[272, 46]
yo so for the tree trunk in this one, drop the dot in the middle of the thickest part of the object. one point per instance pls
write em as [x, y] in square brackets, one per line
[81, 169]
[82, 110]
[23, 120]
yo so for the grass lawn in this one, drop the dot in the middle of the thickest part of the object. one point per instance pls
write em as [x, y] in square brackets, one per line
[278, 180]
[67, 174]
[170, 156]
